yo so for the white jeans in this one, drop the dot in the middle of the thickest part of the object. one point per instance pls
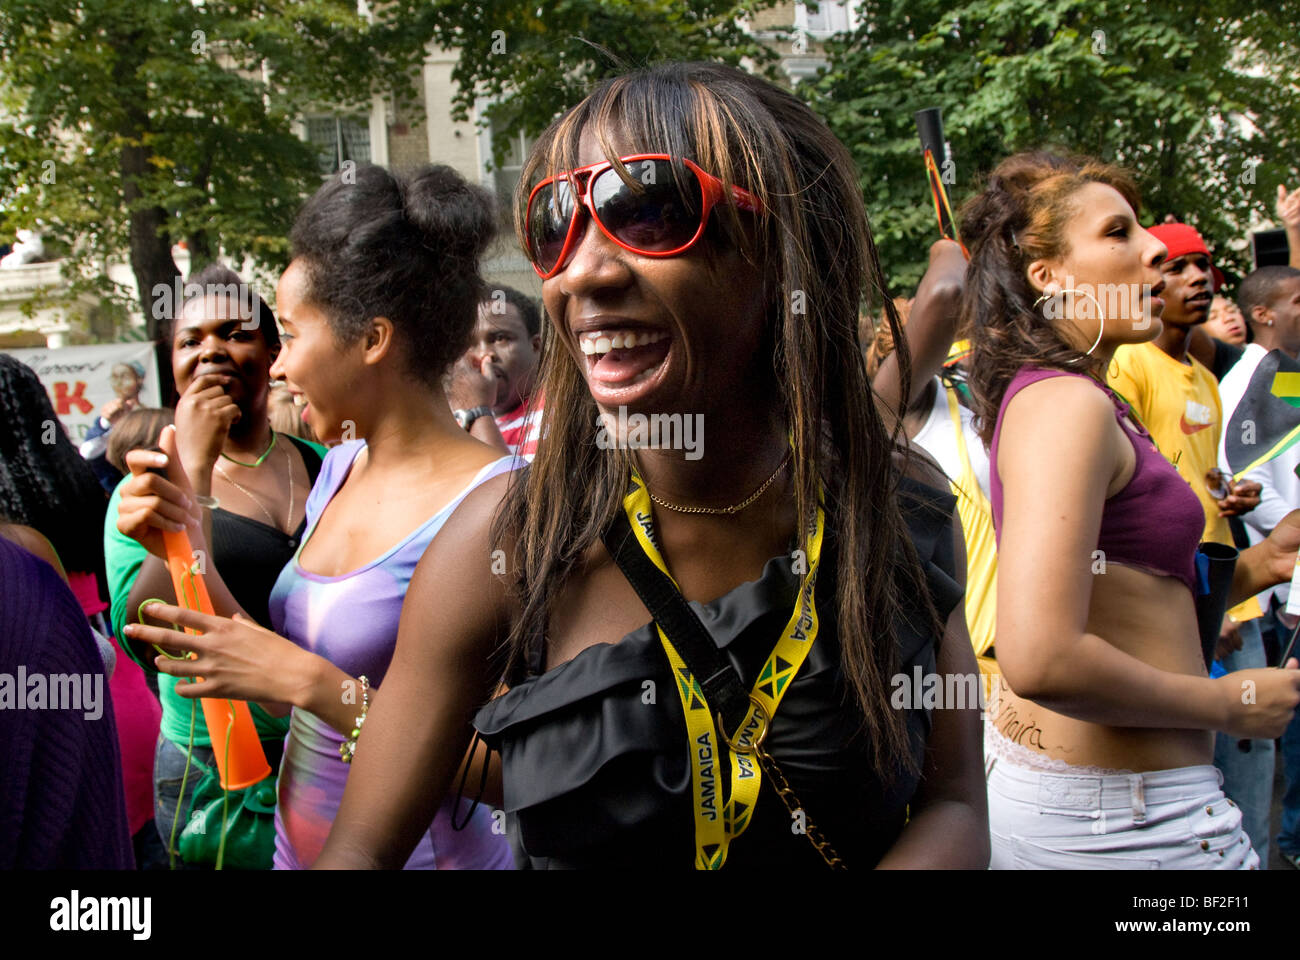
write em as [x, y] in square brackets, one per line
[1163, 820]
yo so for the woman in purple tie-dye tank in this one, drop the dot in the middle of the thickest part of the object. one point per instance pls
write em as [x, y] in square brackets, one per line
[377, 302]
[351, 621]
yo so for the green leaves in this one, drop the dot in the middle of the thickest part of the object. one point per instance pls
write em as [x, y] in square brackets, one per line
[161, 115]
[535, 60]
[1199, 100]
[1171, 90]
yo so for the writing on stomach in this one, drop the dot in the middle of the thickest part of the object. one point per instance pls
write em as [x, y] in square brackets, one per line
[1151, 618]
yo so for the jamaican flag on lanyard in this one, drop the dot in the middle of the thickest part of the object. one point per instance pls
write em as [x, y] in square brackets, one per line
[1267, 420]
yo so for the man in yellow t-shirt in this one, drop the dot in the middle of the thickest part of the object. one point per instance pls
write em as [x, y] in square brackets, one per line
[1177, 398]
[1178, 402]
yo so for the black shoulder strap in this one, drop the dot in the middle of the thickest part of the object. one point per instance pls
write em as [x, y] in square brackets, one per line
[721, 686]
[310, 458]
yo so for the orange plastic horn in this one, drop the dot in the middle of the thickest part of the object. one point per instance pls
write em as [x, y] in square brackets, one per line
[246, 763]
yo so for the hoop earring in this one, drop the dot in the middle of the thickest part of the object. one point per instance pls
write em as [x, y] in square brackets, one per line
[1101, 327]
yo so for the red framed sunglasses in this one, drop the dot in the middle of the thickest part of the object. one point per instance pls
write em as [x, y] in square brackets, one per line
[658, 218]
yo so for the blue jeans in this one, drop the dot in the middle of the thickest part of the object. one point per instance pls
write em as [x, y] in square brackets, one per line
[1288, 840]
[1248, 773]
[168, 769]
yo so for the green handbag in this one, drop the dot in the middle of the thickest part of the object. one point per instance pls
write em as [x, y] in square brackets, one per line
[250, 825]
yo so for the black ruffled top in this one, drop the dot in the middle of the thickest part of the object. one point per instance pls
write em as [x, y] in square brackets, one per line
[595, 759]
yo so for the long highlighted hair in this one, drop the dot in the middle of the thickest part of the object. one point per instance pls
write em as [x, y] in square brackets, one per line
[814, 245]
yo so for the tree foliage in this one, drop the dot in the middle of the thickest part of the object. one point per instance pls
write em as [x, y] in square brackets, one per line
[1199, 100]
[125, 126]
[535, 60]
[128, 126]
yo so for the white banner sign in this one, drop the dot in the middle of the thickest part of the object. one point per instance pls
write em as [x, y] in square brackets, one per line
[80, 380]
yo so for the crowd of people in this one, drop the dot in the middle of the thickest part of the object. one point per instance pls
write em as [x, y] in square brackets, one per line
[474, 632]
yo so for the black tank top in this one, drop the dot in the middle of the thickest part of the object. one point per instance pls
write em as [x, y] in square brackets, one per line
[595, 777]
[250, 554]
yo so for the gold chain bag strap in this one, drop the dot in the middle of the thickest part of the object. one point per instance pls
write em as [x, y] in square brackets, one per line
[793, 806]
[712, 680]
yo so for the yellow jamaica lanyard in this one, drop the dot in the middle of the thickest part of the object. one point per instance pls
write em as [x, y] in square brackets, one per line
[715, 828]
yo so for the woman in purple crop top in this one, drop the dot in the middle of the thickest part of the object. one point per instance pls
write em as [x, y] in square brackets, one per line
[377, 302]
[1100, 744]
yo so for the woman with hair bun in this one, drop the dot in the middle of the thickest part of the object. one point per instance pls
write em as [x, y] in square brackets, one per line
[379, 298]
[1100, 745]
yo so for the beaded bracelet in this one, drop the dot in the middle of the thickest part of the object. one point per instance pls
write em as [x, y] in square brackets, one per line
[349, 746]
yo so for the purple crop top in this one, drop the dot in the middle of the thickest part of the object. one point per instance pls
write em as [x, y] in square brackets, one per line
[1154, 522]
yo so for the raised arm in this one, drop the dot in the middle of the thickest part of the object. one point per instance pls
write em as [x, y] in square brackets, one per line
[419, 724]
[1269, 562]
[1054, 485]
[1288, 211]
[931, 326]
[236, 657]
[485, 429]
[472, 382]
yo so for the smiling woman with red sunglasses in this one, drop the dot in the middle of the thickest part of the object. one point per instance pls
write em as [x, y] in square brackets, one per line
[801, 550]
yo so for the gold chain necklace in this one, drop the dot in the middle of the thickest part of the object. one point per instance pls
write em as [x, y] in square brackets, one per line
[248, 493]
[735, 507]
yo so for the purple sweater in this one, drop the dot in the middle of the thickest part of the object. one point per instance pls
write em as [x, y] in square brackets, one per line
[61, 799]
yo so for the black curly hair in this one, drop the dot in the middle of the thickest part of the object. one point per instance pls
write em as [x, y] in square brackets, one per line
[529, 312]
[378, 244]
[44, 482]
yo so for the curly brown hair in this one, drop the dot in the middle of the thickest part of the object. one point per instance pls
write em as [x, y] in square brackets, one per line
[1021, 217]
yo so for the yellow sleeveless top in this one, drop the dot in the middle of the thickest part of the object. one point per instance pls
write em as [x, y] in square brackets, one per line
[981, 549]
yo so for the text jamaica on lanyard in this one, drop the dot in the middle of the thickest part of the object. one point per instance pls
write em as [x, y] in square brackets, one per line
[714, 829]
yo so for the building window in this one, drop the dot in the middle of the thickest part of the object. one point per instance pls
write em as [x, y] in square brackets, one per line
[338, 139]
[505, 177]
[831, 17]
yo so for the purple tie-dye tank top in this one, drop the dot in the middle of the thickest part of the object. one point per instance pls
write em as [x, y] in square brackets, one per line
[351, 620]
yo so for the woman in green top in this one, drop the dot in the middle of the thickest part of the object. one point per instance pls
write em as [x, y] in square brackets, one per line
[224, 341]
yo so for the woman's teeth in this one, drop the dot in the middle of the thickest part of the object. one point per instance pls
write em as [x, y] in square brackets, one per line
[602, 341]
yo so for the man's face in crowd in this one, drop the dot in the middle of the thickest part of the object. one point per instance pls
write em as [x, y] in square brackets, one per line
[504, 340]
[1283, 309]
[1226, 322]
[1187, 293]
